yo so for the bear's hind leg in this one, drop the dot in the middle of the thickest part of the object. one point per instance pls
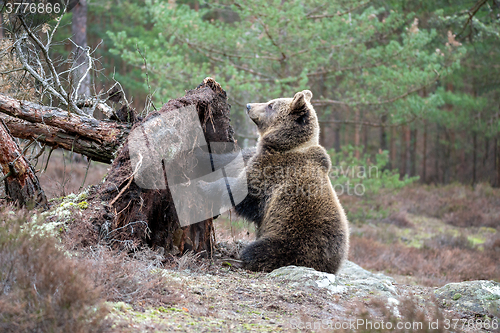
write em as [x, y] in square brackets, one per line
[265, 254]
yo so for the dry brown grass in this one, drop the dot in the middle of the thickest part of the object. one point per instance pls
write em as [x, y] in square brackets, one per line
[130, 278]
[42, 290]
[434, 264]
[456, 204]
[377, 242]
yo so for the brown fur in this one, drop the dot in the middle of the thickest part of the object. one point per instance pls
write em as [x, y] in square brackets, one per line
[298, 216]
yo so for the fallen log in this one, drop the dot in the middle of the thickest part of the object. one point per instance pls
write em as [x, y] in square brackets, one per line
[120, 212]
[96, 139]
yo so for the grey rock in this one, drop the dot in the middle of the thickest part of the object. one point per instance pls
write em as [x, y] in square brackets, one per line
[307, 277]
[478, 297]
[351, 280]
[363, 282]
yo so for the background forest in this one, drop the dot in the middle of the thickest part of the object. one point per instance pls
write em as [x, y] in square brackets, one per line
[417, 78]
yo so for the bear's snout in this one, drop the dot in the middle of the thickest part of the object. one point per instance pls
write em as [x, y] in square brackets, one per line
[249, 107]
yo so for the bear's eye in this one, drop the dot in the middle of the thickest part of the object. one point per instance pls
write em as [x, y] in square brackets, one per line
[270, 106]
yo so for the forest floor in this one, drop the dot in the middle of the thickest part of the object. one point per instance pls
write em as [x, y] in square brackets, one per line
[423, 236]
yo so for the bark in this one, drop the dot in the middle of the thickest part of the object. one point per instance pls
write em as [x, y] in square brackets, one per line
[81, 65]
[486, 152]
[336, 130]
[1, 27]
[497, 161]
[446, 157]
[437, 151]
[383, 134]
[474, 157]
[405, 158]
[424, 155]
[393, 148]
[365, 136]
[453, 157]
[99, 140]
[413, 152]
[21, 183]
[357, 129]
[122, 213]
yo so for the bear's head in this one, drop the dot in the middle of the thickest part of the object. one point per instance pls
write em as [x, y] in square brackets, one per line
[286, 123]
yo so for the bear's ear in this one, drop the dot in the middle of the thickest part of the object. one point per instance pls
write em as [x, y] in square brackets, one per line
[307, 94]
[299, 103]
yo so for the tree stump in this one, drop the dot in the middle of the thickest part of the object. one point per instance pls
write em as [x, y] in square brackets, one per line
[133, 215]
[21, 183]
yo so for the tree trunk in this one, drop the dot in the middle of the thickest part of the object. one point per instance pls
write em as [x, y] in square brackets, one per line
[99, 140]
[347, 133]
[122, 213]
[383, 134]
[437, 151]
[21, 183]
[424, 155]
[393, 148]
[1, 27]
[81, 62]
[497, 161]
[446, 157]
[485, 158]
[413, 152]
[336, 131]
[405, 158]
[357, 129]
[365, 139]
[474, 157]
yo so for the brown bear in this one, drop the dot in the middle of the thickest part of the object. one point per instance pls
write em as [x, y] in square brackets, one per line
[298, 217]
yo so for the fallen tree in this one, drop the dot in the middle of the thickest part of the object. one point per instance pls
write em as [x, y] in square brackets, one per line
[96, 139]
[122, 213]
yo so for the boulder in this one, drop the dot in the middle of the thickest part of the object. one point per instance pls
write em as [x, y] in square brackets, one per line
[474, 297]
[351, 280]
